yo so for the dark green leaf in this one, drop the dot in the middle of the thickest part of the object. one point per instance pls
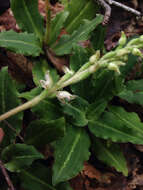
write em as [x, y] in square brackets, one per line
[28, 17]
[132, 60]
[70, 154]
[9, 100]
[84, 88]
[119, 126]
[133, 93]
[96, 109]
[66, 42]
[98, 37]
[111, 155]
[76, 110]
[106, 84]
[47, 109]
[79, 10]
[42, 132]
[21, 43]
[37, 177]
[18, 156]
[56, 25]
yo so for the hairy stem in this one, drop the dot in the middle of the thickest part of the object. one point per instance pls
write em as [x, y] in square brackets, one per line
[25, 106]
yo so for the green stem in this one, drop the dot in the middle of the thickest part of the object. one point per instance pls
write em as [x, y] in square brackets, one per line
[48, 22]
[25, 106]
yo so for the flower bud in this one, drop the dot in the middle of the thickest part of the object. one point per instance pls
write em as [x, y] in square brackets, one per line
[47, 83]
[94, 57]
[137, 52]
[67, 70]
[123, 39]
[114, 67]
[64, 96]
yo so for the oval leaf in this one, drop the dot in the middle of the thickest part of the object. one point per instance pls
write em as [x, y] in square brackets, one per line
[111, 155]
[22, 43]
[70, 154]
[41, 132]
[18, 156]
[119, 126]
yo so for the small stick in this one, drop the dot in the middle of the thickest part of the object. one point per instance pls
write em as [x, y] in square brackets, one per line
[7, 178]
[129, 9]
[13, 129]
[107, 10]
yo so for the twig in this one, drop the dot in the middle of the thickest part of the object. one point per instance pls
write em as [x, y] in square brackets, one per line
[13, 129]
[129, 9]
[7, 178]
[108, 9]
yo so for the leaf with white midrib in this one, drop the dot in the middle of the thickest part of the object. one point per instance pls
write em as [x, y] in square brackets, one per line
[111, 155]
[119, 126]
[69, 154]
[28, 17]
[37, 179]
[22, 43]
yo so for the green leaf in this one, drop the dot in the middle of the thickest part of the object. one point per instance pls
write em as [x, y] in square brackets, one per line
[111, 155]
[106, 84]
[19, 156]
[28, 17]
[47, 109]
[39, 177]
[39, 70]
[79, 10]
[64, 186]
[70, 154]
[42, 132]
[118, 126]
[95, 109]
[132, 60]
[57, 24]
[22, 43]
[76, 111]
[66, 42]
[36, 177]
[9, 100]
[133, 93]
[79, 57]
[98, 37]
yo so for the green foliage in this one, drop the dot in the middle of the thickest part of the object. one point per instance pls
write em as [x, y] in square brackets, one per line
[77, 105]
[8, 100]
[118, 125]
[70, 154]
[42, 132]
[19, 156]
[111, 155]
[133, 92]
[76, 110]
[27, 16]
[22, 43]
[57, 24]
[79, 10]
[66, 42]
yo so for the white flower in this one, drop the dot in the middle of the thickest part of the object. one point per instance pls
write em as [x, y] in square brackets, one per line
[67, 70]
[64, 96]
[47, 83]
